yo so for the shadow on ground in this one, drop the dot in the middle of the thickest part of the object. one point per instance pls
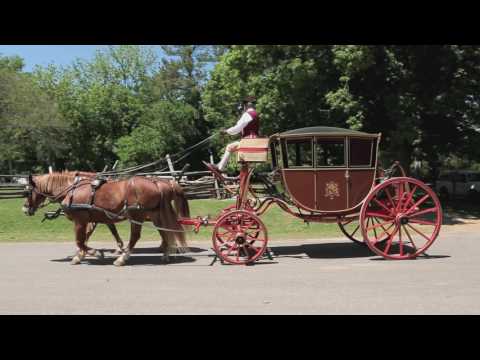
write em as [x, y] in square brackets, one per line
[336, 251]
[311, 251]
[323, 251]
[135, 260]
[158, 250]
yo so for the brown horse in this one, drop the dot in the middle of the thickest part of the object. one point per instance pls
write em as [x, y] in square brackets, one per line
[57, 195]
[136, 199]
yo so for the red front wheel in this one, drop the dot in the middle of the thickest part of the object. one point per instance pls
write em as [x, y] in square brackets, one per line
[239, 237]
[406, 211]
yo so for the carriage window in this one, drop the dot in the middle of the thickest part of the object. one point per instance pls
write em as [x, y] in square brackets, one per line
[299, 152]
[360, 152]
[330, 152]
[275, 154]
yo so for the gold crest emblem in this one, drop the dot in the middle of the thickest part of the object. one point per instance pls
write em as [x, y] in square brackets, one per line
[332, 190]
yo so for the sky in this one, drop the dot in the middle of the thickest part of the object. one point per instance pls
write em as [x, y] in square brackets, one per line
[48, 54]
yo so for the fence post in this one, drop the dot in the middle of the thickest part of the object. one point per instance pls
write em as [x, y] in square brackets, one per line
[170, 164]
[217, 190]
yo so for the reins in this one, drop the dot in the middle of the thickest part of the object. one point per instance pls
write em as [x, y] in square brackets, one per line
[175, 159]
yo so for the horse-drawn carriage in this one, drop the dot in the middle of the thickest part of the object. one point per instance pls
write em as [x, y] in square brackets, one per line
[319, 174]
[325, 174]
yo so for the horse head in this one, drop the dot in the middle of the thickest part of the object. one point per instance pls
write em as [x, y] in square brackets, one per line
[34, 197]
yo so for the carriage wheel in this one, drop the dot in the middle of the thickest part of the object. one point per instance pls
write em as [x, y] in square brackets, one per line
[410, 215]
[350, 227]
[239, 237]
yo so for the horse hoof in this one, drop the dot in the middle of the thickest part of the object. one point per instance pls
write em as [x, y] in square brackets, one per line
[118, 252]
[75, 260]
[119, 262]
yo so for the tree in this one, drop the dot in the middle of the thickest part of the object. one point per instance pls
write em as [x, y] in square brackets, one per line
[417, 96]
[29, 120]
[289, 82]
[422, 99]
[102, 100]
[175, 115]
[163, 129]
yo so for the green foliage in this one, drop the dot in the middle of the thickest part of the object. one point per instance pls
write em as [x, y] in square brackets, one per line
[162, 130]
[423, 99]
[128, 104]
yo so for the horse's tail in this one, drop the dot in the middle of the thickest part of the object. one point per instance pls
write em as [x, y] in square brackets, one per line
[181, 203]
[183, 209]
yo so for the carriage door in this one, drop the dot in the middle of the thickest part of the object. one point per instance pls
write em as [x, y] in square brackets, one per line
[299, 174]
[331, 192]
[362, 156]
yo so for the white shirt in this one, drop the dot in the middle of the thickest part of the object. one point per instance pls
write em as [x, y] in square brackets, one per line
[241, 123]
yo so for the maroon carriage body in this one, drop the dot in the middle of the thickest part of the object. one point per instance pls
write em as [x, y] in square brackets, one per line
[326, 170]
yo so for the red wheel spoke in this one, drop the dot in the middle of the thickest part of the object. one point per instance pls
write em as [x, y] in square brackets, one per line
[417, 204]
[419, 232]
[380, 215]
[409, 198]
[389, 196]
[234, 247]
[374, 229]
[227, 227]
[378, 222]
[386, 232]
[389, 244]
[426, 211]
[379, 225]
[410, 238]
[400, 240]
[383, 205]
[254, 248]
[400, 197]
[223, 241]
[390, 241]
[251, 227]
[257, 239]
[422, 222]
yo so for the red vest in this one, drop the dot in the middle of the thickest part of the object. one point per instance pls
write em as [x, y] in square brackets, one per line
[253, 127]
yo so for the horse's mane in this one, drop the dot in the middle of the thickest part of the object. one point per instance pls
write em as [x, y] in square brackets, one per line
[51, 183]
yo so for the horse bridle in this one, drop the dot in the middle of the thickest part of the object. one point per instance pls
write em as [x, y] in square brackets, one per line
[30, 189]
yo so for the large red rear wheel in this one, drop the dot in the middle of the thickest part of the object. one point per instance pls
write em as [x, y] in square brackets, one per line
[410, 216]
[239, 237]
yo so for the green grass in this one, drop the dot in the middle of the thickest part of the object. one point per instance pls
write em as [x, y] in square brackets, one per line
[17, 227]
